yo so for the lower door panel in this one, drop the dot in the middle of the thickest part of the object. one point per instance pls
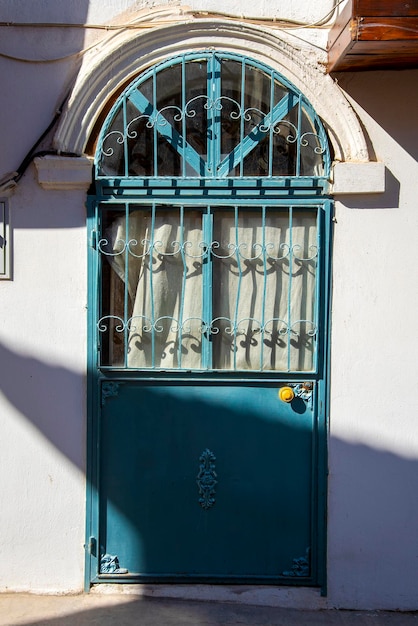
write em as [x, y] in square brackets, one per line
[206, 482]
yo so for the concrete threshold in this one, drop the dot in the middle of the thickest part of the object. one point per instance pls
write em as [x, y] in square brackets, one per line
[280, 597]
[107, 608]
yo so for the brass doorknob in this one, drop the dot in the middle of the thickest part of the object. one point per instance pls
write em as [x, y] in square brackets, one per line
[286, 394]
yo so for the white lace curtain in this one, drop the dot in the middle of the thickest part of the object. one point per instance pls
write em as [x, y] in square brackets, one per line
[232, 289]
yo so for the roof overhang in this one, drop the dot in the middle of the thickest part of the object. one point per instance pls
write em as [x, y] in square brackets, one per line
[370, 35]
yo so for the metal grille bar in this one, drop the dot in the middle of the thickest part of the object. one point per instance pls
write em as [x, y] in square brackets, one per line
[209, 288]
[269, 127]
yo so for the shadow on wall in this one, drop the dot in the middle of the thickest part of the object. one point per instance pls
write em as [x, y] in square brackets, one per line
[373, 546]
[387, 200]
[39, 209]
[372, 503]
[50, 397]
[35, 91]
[391, 99]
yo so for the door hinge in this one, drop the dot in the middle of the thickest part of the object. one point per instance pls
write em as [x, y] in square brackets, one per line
[91, 546]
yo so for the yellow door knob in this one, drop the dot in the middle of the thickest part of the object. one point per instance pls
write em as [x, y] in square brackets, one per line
[286, 394]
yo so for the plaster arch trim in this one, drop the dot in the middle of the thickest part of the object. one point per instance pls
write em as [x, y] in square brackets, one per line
[122, 57]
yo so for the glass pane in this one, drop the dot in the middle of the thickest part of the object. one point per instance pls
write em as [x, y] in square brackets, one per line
[169, 107]
[149, 151]
[270, 148]
[196, 107]
[111, 157]
[231, 106]
[312, 148]
[115, 301]
[285, 145]
[151, 313]
[264, 276]
[162, 300]
[257, 105]
[140, 142]
[186, 119]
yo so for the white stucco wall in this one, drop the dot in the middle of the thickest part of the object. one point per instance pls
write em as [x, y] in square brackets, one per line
[373, 543]
[372, 539]
[42, 392]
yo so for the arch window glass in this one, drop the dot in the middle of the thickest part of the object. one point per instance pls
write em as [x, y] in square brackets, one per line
[212, 115]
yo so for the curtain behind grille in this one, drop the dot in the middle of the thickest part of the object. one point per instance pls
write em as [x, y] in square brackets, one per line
[242, 298]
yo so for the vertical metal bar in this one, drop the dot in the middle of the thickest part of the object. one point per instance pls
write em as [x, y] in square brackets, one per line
[298, 136]
[125, 137]
[322, 149]
[207, 277]
[183, 288]
[318, 272]
[242, 119]
[214, 93]
[264, 297]
[323, 143]
[209, 116]
[155, 132]
[97, 289]
[236, 220]
[324, 211]
[271, 130]
[151, 285]
[289, 287]
[92, 468]
[209, 290]
[217, 93]
[183, 117]
[126, 283]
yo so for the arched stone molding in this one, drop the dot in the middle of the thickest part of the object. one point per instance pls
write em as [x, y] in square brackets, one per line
[121, 57]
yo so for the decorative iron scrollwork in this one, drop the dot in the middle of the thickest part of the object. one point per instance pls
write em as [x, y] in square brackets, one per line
[206, 479]
[109, 390]
[109, 564]
[301, 566]
[300, 390]
[285, 123]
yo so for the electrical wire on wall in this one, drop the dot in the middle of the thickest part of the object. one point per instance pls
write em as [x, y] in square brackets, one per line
[9, 181]
[157, 18]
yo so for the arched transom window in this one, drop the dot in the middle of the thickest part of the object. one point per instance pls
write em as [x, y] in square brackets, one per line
[212, 115]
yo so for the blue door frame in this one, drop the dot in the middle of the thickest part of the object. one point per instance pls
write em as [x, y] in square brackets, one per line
[114, 389]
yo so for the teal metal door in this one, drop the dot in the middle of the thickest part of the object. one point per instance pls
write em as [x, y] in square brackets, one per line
[208, 315]
[207, 482]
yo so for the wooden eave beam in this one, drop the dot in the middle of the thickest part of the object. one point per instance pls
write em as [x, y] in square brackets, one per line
[364, 38]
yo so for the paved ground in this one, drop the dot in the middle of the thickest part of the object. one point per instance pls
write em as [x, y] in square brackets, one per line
[119, 610]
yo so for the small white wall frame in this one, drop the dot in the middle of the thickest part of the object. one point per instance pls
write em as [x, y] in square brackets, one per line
[5, 252]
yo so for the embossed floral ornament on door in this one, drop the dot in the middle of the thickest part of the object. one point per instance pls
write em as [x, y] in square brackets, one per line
[206, 479]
